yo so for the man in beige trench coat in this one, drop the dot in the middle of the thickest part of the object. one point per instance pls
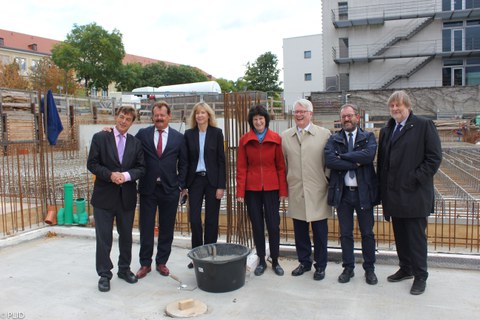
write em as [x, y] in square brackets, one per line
[303, 148]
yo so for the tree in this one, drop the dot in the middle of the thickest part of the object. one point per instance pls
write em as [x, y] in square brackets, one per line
[94, 54]
[47, 75]
[178, 74]
[262, 75]
[130, 77]
[232, 86]
[11, 78]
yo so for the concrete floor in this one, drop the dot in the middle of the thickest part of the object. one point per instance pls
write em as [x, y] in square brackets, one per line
[53, 277]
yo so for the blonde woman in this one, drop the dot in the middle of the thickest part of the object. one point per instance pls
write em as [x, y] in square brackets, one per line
[206, 173]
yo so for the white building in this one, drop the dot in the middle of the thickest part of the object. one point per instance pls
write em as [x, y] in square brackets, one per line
[302, 64]
[382, 44]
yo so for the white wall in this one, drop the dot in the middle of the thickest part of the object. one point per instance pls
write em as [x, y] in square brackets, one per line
[368, 75]
[296, 66]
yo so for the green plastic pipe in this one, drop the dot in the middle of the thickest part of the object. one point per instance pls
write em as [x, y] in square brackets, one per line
[68, 191]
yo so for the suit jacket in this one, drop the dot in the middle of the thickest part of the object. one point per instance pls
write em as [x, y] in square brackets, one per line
[171, 167]
[340, 160]
[103, 160]
[214, 156]
[406, 168]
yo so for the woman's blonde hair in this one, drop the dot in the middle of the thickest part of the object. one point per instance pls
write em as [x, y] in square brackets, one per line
[212, 121]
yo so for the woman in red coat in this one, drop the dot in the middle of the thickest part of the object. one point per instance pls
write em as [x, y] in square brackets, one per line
[262, 184]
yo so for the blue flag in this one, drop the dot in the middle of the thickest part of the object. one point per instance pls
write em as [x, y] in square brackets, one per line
[54, 124]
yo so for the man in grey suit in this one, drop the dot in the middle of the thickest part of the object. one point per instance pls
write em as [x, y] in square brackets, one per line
[116, 160]
[164, 182]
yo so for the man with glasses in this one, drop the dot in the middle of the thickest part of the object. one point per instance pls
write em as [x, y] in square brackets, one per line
[303, 148]
[353, 186]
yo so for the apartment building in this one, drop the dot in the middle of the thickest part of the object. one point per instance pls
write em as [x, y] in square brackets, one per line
[382, 44]
[303, 67]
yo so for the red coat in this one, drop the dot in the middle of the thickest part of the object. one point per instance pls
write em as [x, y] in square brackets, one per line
[261, 166]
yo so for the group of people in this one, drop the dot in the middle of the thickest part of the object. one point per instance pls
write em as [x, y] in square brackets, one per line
[306, 164]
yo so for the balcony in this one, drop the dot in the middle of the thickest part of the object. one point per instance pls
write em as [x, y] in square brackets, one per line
[378, 14]
[412, 49]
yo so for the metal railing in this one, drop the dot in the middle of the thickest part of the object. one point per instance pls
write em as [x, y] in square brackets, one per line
[33, 174]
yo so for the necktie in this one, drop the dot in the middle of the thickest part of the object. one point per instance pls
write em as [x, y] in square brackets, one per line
[159, 145]
[351, 173]
[121, 147]
[396, 132]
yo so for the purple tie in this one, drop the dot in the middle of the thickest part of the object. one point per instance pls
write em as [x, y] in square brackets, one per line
[121, 147]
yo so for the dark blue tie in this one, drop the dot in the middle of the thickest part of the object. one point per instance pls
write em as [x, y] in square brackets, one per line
[351, 173]
[396, 132]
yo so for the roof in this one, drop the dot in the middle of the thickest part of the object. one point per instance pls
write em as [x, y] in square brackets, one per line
[39, 45]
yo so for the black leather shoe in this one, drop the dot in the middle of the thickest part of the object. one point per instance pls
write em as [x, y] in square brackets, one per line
[190, 265]
[370, 277]
[127, 276]
[346, 275]
[277, 269]
[260, 269]
[301, 269]
[319, 274]
[104, 284]
[399, 276]
[418, 286]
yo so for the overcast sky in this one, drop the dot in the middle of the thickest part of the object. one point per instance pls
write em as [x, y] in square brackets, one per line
[219, 37]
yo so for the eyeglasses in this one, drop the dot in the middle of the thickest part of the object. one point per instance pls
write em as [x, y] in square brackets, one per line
[349, 116]
[300, 112]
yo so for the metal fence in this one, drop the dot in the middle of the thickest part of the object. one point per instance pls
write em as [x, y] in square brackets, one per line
[34, 173]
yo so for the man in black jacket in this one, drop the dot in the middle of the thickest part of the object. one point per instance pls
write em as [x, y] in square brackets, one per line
[353, 186]
[116, 159]
[409, 155]
[161, 188]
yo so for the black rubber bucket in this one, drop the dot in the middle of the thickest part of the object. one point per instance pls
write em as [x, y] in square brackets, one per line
[220, 267]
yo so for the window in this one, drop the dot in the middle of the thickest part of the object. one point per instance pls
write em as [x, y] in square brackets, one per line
[450, 5]
[4, 59]
[472, 35]
[34, 64]
[461, 35]
[308, 77]
[343, 11]
[22, 65]
[307, 54]
[461, 72]
[2, 42]
[343, 47]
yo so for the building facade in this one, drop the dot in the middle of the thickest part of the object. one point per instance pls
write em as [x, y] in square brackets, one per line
[381, 44]
[302, 69]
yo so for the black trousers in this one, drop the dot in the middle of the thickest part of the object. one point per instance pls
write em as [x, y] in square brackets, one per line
[167, 204]
[411, 241]
[104, 220]
[350, 202]
[304, 245]
[199, 190]
[263, 207]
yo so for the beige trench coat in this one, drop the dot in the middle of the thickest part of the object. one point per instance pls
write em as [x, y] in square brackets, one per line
[307, 174]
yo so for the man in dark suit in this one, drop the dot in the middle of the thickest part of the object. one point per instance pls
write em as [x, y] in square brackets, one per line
[353, 186]
[409, 155]
[206, 173]
[163, 184]
[116, 160]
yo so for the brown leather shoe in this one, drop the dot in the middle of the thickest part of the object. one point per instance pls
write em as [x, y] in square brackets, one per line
[163, 270]
[142, 272]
